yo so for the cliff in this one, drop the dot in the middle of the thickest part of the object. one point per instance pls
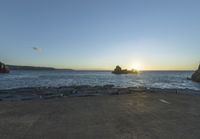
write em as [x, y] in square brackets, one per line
[196, 75]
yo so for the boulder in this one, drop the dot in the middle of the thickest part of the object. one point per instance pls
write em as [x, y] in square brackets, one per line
[196, 75]
[3, 68]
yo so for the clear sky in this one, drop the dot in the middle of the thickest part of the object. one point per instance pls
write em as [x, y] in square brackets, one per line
[100, 34]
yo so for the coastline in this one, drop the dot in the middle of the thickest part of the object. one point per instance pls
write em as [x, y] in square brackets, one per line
[37, 93]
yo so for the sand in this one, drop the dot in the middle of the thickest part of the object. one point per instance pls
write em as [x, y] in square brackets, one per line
[129, 116]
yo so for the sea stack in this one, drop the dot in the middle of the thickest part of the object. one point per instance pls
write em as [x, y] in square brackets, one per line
[119, 70]
[196, 75]
[3, 68]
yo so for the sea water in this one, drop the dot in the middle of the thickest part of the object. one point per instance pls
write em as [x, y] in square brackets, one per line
[57, 78]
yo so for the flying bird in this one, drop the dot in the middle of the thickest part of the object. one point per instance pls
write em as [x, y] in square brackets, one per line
[37, 49]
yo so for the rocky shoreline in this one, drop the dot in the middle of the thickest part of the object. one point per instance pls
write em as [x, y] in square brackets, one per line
[4, 68]
[196, 75]
[36, 93]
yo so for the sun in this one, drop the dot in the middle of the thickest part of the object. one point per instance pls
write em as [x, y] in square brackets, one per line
[137, 66]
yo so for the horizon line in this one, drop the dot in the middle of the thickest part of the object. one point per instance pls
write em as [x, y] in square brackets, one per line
[75, 69]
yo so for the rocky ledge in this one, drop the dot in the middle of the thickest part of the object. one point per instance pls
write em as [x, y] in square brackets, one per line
[196, 75]
[81, 91]
[3, 68]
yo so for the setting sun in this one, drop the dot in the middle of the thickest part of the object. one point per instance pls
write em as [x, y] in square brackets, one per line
[137, 66]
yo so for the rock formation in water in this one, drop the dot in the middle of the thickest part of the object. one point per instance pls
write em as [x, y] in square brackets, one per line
[196, 75]
[3, 68]
[119, 70]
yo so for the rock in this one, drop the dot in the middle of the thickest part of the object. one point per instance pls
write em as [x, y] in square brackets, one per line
[108, 86]
[119, 70]
[3, 68]
[124, 91]
[66, 91]
[196, 75]
[188, 78]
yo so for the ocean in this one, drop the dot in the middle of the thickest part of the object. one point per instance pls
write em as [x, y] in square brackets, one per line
[58, 78]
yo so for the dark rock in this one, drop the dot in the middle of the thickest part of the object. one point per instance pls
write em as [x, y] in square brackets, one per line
[188, 78]
[3, 68]
[82, 87]
[122, 91]
[74, 92]
[66, 91]
[111, 91]
[137, 89]
[119, 70]
[108, 86]
[196, 75]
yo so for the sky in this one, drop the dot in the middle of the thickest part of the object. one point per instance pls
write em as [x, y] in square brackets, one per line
[100, 34]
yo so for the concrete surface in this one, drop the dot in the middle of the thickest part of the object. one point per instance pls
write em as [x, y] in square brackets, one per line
[134, 116]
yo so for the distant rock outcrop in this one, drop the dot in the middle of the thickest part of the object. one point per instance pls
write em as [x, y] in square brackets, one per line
[196, 75]
[15, 67]
[119, 70]
[3, 68]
